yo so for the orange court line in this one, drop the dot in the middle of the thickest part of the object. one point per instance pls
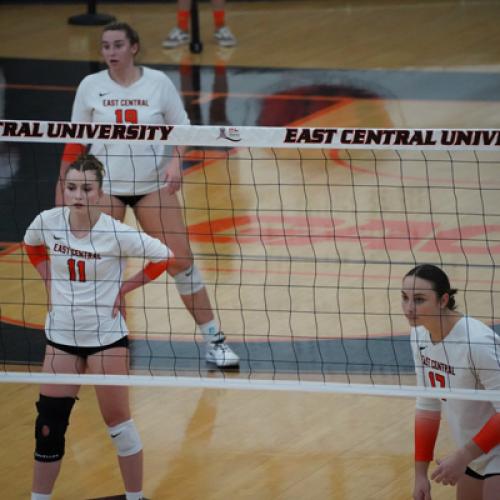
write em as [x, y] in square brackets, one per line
[341, 103]
[214, 95]
[28, 86]
[17, 322]
[11, 247]
[278, 97]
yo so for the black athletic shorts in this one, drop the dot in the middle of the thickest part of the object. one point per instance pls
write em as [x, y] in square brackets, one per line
[84, 352]
[130, 200]
[475, 475]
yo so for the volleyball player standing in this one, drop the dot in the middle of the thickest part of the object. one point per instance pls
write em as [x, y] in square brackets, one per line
[141, 176]
[453, 351]
[79, 253]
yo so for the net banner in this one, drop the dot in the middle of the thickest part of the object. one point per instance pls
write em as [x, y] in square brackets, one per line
[275, 137]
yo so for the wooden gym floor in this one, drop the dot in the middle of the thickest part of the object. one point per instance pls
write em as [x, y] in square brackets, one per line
[314, 63]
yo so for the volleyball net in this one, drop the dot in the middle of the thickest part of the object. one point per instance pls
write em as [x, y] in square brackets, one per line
[302, 235]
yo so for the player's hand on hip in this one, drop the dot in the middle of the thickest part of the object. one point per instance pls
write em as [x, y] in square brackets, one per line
[120, 306]
[173, 176]
[48, 288]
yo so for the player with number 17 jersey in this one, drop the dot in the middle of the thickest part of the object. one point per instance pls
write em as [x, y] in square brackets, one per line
[468, 358]
[86, 275]
[131, 169]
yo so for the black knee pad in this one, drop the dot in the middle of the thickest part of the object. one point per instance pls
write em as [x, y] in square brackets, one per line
[50, 427]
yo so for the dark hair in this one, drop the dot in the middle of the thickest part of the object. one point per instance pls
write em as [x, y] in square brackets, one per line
[130, 32]
[439, 280]
[89, 163]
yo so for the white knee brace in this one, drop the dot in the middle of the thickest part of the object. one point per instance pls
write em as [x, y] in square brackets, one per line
[189, 281]
[125, 438]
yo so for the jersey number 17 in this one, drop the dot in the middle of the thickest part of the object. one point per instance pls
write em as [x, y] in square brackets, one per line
[437, 380]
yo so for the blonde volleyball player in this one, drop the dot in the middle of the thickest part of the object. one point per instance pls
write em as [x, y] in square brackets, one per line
[140, 176]
[79, 251]
[453, 351]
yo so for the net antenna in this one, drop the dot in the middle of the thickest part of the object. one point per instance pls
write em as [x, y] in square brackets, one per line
[303, 236]
[196, 45]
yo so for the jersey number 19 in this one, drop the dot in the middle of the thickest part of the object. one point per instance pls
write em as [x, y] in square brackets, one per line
[126, 115]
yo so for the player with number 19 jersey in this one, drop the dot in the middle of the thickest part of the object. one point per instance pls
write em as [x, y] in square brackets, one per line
[468, 358]
[86, 275]
[153, 99]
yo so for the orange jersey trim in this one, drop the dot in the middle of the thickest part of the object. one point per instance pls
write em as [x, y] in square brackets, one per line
[36, 254]
[426, 431]
[72, 151]
[489, 436]
[155, 269]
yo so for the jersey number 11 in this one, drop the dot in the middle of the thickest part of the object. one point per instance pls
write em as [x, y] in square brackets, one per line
[76, 270]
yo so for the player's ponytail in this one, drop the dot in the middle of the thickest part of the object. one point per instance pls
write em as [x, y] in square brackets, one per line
[89, 163]
[439, 279]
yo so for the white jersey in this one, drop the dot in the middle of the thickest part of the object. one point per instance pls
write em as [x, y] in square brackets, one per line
[86, 275]
[130, 169]
[468, 358]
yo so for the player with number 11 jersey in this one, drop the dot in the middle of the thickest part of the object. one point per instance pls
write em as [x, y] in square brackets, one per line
[86, 275]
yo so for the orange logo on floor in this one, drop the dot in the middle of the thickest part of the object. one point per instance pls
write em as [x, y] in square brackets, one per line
[372, 234]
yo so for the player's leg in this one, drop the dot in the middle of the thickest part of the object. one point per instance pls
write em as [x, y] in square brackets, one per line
[179, 35]
[491, 488]
[115, 409]
[469, 488]
[160, 215]
[111, 205]
[53, 407]
[222, 33]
